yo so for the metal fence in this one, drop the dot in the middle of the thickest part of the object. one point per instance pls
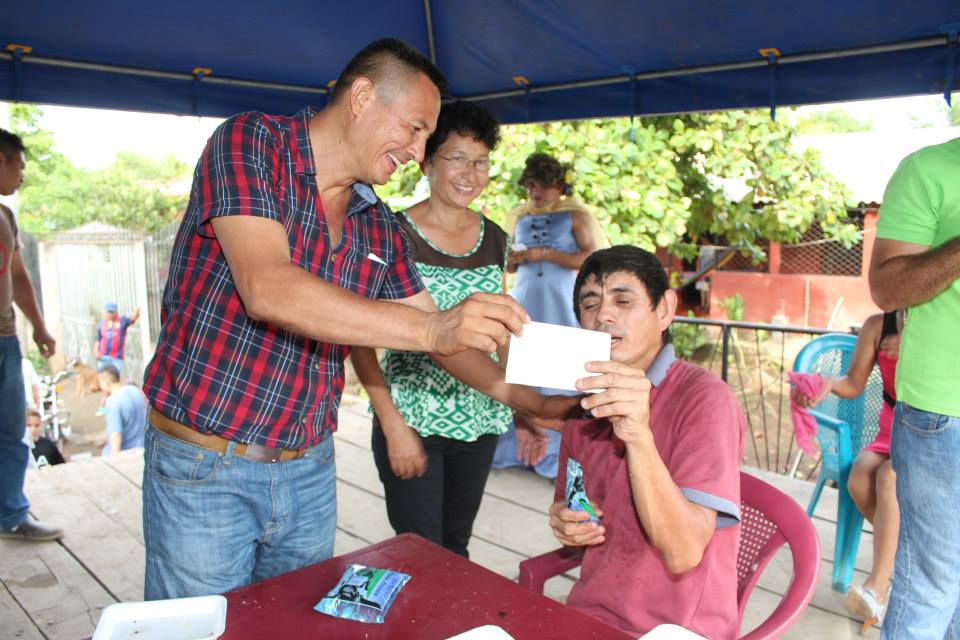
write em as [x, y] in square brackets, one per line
[87, 267]
[157, 249]
[754, 358]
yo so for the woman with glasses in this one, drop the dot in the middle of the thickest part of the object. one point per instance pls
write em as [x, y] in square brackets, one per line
[433, 436]
[553, 235]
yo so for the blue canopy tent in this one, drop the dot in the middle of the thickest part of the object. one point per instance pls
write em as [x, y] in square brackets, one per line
[525, 60]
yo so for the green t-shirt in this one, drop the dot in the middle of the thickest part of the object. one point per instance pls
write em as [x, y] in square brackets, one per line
[431, 400]
[921, 205]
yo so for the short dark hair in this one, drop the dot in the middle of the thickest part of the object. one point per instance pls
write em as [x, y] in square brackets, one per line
[627, 259]
[111, 371]
[380, 61]
[10, 144]
[544, 169]
[467, 119]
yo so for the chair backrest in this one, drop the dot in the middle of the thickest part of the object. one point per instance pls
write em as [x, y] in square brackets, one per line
[830, 355]
[770, 518]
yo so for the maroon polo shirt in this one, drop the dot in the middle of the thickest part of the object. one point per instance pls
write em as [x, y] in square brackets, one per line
[698, 430]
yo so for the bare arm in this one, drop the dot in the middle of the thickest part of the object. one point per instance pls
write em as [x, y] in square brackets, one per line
[861, 364]
[26, 300]
[585, 233]
[512, 256]
[678, 528]
[135, 316]
[404, 449]
[928, 272]
[276, 291]
[115, 440]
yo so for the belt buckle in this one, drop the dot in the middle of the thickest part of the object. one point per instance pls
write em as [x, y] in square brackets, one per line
[260, 453]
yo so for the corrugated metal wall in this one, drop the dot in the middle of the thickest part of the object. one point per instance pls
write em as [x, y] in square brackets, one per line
[99, 264]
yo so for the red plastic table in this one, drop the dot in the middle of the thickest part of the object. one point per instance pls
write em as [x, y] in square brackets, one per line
[446, 595]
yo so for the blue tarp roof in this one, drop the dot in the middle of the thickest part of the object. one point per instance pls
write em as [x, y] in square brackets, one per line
[578, 57]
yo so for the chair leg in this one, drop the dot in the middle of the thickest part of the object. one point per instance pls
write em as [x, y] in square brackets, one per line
[851, 545]
[849, 527]
[815, 498]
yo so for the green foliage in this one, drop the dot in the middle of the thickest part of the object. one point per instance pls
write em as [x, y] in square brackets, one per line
[832, 121]
[953, 112]
[40, 364]
[133, 192]
[687, 338]
[733, 306]
[666, 185]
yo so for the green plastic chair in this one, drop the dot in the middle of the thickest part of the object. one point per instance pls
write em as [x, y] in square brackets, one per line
[843, 428]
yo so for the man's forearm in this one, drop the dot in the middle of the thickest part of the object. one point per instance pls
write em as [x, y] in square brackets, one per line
[478, 370]
[116, 442]
[904, 281]
[304, 304]
[678, 529]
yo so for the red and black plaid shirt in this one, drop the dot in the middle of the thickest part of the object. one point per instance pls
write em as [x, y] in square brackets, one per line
[219, 371]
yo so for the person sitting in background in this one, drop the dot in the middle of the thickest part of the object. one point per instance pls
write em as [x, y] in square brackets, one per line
[45, 451]
[873, 482]
[125, 409]
[661, 461]
[553, 235]
[111, 336]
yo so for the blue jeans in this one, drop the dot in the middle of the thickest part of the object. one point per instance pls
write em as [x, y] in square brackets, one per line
[14, 453]
[213, 523]
[116, 362]
[925, 449]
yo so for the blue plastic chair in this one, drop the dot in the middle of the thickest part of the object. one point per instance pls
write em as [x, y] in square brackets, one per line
[843, 428]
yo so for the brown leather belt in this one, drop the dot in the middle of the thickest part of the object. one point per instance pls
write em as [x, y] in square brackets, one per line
[252, 452]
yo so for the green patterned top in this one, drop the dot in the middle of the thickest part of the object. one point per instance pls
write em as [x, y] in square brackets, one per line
[431, 400]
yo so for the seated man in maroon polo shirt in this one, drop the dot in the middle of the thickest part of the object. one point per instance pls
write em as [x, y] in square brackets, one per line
[660, 456]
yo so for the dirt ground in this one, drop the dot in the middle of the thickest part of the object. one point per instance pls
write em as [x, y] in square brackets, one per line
[88, 428]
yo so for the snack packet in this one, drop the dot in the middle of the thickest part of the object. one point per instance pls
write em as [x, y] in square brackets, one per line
[576, 494]
[363, 594]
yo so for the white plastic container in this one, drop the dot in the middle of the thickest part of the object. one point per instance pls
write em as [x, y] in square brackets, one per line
[486, 632]
[202, 618]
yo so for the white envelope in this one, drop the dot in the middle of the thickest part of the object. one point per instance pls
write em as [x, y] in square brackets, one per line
[553, 356]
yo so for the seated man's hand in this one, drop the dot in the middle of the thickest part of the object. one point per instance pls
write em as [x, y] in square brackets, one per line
[482, 321]
[572, 528]
[625, 399]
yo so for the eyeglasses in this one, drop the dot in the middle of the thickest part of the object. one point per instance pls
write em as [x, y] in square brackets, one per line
[482, 165]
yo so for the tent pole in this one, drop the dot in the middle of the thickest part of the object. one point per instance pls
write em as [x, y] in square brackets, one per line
[168, 75]
[428, 16]
[936, 41]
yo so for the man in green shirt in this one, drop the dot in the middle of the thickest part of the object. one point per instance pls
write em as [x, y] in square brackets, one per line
[916, 266]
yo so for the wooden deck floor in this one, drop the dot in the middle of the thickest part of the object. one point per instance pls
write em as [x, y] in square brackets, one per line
[57, 590]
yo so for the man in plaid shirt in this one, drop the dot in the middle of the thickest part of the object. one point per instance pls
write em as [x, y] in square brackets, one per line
[285, 255]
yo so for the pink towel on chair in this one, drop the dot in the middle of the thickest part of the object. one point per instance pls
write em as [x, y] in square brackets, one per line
[804, 424]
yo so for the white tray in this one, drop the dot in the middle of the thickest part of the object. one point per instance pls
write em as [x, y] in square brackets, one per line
[486, 632]
[202, 618]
